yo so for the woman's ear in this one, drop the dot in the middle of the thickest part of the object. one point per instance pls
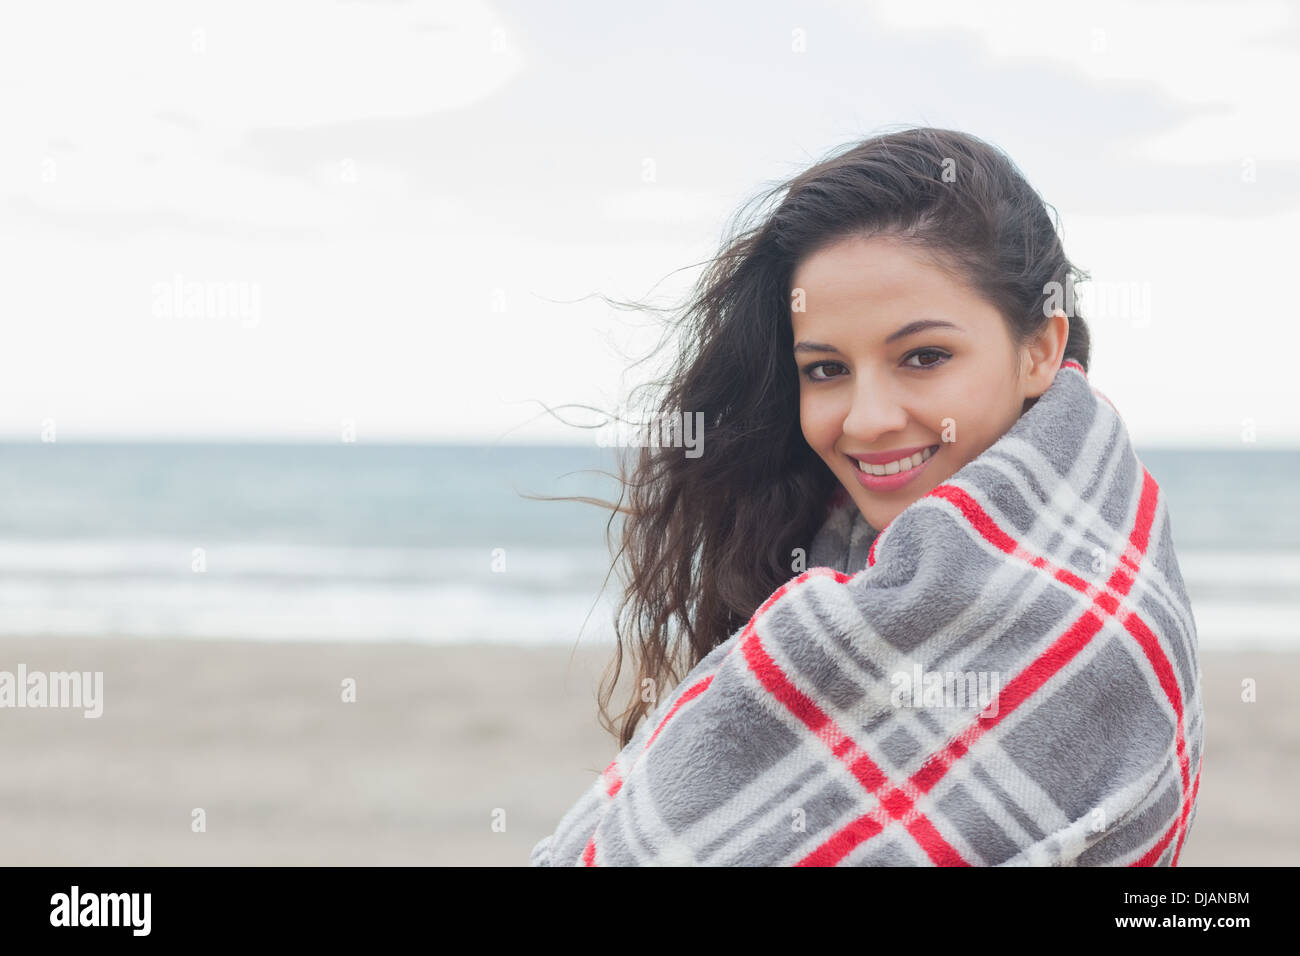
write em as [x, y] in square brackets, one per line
[1045, 352]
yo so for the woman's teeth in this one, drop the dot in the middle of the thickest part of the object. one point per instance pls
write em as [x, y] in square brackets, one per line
[903, 464]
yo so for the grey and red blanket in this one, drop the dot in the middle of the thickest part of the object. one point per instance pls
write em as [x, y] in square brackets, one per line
[1006, 674]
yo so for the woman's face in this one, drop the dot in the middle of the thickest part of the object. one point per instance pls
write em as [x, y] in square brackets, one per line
[874, 384]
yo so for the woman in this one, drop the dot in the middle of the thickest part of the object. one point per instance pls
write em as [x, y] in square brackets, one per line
[925, 592]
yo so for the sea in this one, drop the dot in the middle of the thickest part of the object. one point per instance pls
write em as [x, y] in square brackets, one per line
[439, 543]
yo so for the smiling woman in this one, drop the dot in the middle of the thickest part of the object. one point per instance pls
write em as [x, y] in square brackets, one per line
[909, 480]
[906, 402]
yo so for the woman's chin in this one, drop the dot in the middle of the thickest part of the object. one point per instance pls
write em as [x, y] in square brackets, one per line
[879, 513]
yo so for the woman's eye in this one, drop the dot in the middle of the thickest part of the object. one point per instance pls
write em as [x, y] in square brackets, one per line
[939, 354]
[808, 371]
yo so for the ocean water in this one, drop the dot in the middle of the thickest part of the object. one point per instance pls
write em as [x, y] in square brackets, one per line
[435, 543]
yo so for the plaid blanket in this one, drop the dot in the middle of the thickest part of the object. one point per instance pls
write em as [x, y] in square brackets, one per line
[1006, 674]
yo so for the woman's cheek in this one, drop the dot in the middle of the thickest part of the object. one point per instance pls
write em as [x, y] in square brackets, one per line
[818, 426]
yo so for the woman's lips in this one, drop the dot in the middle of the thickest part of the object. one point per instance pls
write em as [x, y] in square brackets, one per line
[891, 482]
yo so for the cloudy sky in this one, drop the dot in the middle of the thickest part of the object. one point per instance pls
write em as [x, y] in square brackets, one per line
[265, 220]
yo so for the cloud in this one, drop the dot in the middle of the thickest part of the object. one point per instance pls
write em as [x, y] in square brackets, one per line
[138, 114]
[1234, 62]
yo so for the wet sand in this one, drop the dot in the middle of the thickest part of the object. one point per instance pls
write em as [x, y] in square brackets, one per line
[440, 744]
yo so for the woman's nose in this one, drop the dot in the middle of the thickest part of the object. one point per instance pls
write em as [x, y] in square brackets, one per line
[875, 411]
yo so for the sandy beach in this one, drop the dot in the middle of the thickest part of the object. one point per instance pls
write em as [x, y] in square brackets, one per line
[439, 743]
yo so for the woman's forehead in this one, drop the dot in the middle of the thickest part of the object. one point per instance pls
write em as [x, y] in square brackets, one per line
[862, 269]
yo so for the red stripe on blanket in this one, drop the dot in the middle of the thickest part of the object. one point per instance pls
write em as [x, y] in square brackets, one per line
[1048, 663]
[1179, 826]
[859, 763]
[1187, 809]
[839, 846]
[1023, 686]
[691, 693]
[614, 783]
[1159, 661]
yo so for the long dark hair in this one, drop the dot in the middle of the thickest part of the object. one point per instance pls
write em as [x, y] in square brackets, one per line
[707, 539]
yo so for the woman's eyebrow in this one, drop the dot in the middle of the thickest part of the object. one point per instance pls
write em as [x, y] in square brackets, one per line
[920, 325]
[815, 347]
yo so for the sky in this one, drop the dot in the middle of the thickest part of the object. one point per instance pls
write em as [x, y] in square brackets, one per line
[287, 220]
